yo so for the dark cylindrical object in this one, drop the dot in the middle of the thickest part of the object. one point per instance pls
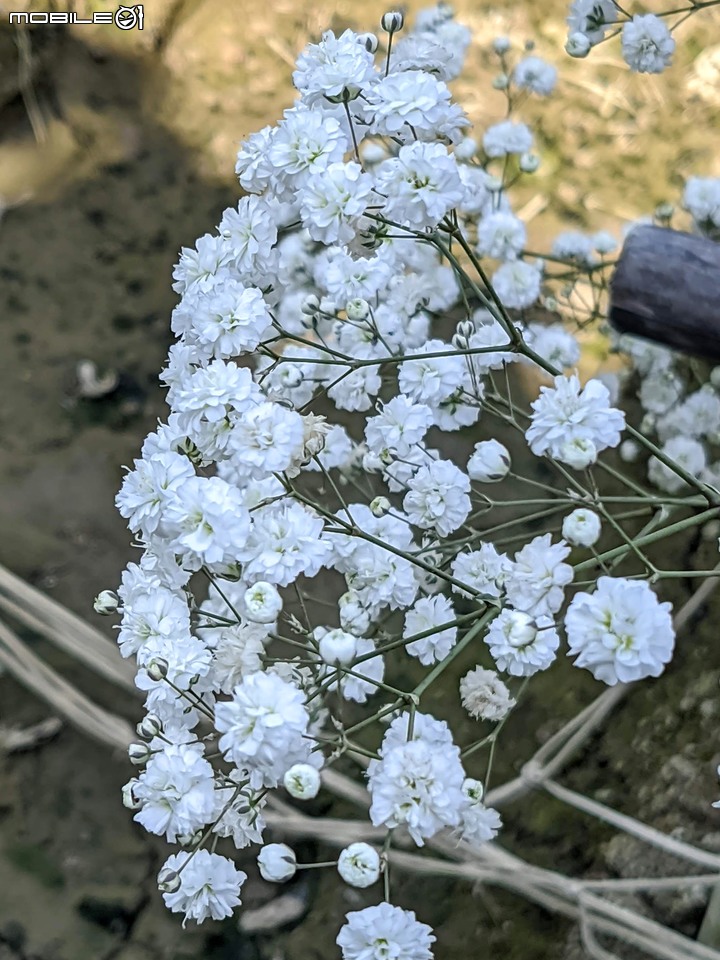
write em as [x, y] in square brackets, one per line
[666, 288]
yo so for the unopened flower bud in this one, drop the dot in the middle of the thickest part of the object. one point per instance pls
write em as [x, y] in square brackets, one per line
[392, 21]
[578, 454]
[353, 616]
[359, 865]
[290, 375]
[529, 162]
[347, 94]
[520, 629]
[493, 184]
[715, 377]
[310, 305]
[129, 799]
[379, 506]
[465, 329]
[466, 149]
[337, 646]
[629, 451]
[169, 881]
[604, 242]
[647, 424]
[369, 41]
[489, 463]
[373, 153]
[664, 211]
[262, 603]
[149, 727]
[302, 781]
[501, 82]
[158, 668]
[501, 45]
[139, 753]
[550, 304]
[191, 839]
[277, 862]
[578, 45]
[357, 309]
[106, 603]
[581, 528]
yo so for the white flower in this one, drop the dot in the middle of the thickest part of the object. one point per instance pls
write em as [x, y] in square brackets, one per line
[383, 932]
[686, 452]
[501, 235]
[702, 198]
[566, 414]
[621, 632]
[148, 488]
[647, 44]
[416, 783]
[208, 522]
[333, 201]
[262, 603]
[421, 184]
[582, 527]
[484, 695]
[553, 343]
[277, 862]
[414, 104]
[335, 64]
[400, 425]
[201, 268]
[368, 674]
[202, 885]
[483, 570]
[238, 816]
[302, 781]
[238, 652]
[520, 645]
[480, 824]
[507, 137]
[697, 416]
[536, 75]
[263, 727]
[251, 229]
[177, 792]
[428, 614]
[337, 646]
[517, 284]
[538, 577]
[438, 498]
[359, 865]
[230, 320]
[285, 541]
[489, 462]
[304, 144]
[267, 439]
[592, 18]
[430, 380]
[604, 242]
[573, 245]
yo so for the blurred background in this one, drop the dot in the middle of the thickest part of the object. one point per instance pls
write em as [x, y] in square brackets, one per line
[116, 149]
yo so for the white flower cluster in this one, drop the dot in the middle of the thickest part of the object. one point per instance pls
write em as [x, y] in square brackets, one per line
[328, 287]
[647, 43]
